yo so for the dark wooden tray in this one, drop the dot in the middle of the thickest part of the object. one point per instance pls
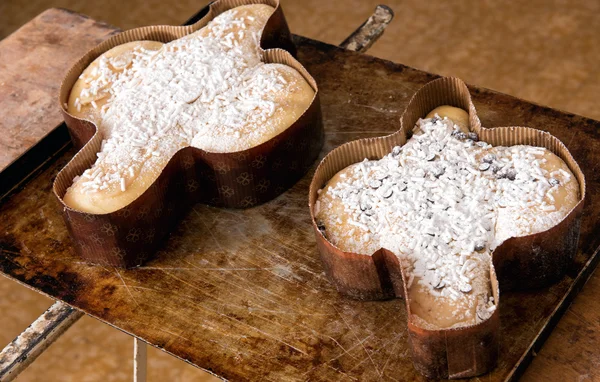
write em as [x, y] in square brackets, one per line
[242, 293]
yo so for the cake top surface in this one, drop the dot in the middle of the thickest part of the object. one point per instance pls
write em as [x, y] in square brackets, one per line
[209, 90]
[445, 200]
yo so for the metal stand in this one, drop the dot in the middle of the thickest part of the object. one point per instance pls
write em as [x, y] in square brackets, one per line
[140, 360]
[370, 31]
[24, 349]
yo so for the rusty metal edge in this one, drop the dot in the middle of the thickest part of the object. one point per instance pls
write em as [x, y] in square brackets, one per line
[135, 336]
[578, 283]
[24, 349]
[33, 161]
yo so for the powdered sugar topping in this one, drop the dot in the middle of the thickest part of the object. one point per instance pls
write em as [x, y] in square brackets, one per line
[436, 203]
[208, 90]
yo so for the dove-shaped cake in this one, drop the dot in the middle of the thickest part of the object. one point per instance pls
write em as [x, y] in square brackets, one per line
[210, 90]
[447, 214]
[163, 117]
[442, 202]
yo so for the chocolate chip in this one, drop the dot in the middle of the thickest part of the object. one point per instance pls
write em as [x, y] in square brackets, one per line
[375, 183]
[495, 168]
[459, 135]
[473, 136]
[489, 158]
[553, 182]
[396, 151]
[321, 227]
[479, 246]
[484, 166]
[509, 174]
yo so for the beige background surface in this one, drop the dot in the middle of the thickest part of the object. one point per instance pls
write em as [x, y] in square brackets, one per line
[543, 51]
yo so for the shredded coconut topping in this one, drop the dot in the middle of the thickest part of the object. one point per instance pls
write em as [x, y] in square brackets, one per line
[437, 203]
[208, 90]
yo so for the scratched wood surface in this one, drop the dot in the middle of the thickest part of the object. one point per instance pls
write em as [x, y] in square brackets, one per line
[242, 293]
[33, 61]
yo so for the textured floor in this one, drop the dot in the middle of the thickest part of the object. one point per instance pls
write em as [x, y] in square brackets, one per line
[543, 51]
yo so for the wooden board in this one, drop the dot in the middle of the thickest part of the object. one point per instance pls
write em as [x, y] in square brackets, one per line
[242, 293]
[32, 65]
[33, 62]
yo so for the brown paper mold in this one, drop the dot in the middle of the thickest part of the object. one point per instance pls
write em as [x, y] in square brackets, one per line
[129, 236]
[522, 262]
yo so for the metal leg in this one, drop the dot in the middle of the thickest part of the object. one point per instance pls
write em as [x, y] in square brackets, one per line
[20, 353]
[140, 360]
[24, 349]
[362, 38]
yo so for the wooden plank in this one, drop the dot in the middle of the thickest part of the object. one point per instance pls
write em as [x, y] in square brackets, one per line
[242, 294]
[33, 61]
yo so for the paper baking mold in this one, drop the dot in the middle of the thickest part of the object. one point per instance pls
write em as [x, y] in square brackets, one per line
[530, 261]
[131, 235]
